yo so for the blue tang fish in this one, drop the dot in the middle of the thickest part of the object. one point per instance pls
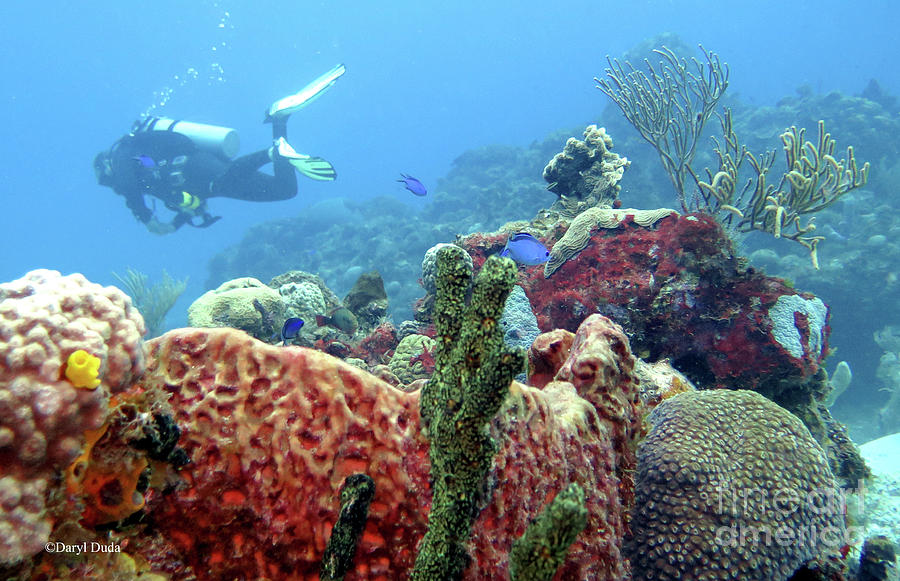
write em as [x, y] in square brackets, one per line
[413, 185]
[290, 329]
[525, 249]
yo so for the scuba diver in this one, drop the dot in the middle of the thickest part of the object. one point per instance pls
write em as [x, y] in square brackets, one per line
[182, 164]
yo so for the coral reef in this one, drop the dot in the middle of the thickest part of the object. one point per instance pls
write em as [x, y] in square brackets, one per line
[367, 299]
[857, 274]
[586, 173]
[473, 370]
[272, 433]
[340, 239]
[152, 301]
[261, 309]
[273, 436]
[537, 554]
[579, 232]
[233, 305]
[356, 496]
[518, 322]
[488, 186]
[366, 235]
[888, 373]
[682, 294]
[729, 485]
[413, 358]
[44, 318]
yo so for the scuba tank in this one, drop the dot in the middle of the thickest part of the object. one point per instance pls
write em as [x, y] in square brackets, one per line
[212, 138]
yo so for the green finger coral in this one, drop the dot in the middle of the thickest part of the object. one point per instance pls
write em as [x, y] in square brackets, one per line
[537, 554]
[473, 371]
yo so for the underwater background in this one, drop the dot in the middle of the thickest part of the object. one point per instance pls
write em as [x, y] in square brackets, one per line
[473, 99]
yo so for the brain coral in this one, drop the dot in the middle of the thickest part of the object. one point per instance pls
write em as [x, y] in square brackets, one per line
[44, 318]
[411, 358]
[232, 305]
[731, 486]
[273, 432]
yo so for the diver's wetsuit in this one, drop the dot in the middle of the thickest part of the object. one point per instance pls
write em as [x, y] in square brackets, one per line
[171, 168]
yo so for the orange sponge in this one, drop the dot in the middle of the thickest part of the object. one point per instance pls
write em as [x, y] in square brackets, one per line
[107, 485]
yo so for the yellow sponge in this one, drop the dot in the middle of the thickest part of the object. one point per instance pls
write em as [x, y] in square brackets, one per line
[82, 369]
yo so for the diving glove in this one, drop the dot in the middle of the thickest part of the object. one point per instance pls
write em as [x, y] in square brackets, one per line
[282, 108]
[160, 228]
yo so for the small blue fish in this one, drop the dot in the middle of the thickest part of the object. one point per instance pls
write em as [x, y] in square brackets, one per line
[525, 249]
[145, 160]
[290, 329]
[413, 185]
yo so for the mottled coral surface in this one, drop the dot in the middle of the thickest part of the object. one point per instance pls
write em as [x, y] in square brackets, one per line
[273, 432]
[44, 318]
[731, 486]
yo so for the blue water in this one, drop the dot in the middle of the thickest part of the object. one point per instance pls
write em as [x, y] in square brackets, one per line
[424, 83]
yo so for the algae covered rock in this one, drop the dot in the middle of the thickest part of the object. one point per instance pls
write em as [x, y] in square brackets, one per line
[237, 303]
[299, 277]
[367, 299]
